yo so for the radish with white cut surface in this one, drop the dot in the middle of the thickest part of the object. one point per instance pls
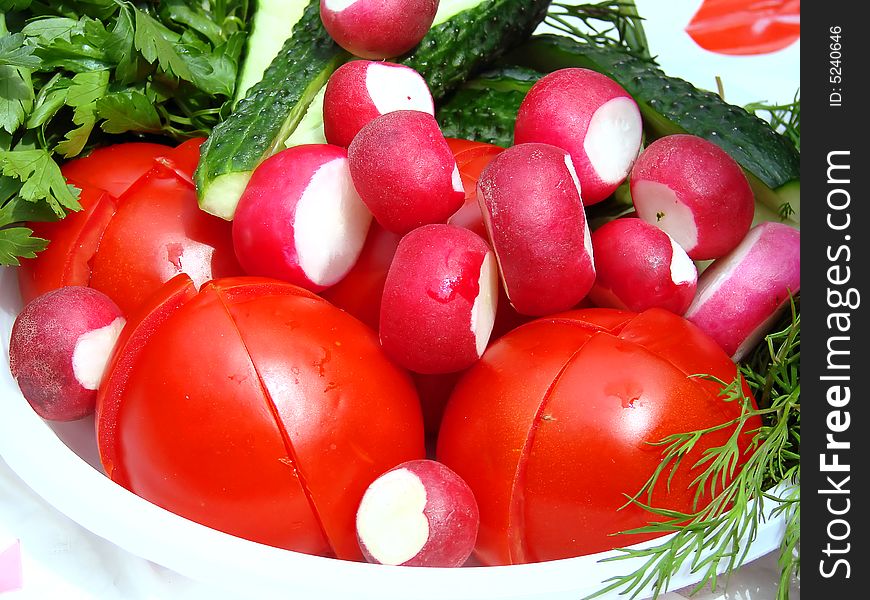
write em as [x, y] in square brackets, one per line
[530, 199]
[741, 295]
[639, 266]
[420, 513]
[404, 171]
[439, 301]
[61, 342]
[300, 218]
[593, 118]
[377, 29]
[361, 90]
[696, 192]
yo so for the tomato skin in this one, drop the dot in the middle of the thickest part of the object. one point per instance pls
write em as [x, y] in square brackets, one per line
[551, 460]
[278, 438]
[127, 245]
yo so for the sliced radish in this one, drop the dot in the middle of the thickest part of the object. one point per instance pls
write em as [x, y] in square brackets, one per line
[741, 295]
[639, 266]
[440, 299]
[61, 342]
[377, 29]
[404, 171]
[419, 513]
[360, 90]
[530, 198]
[300, 218]
[592, 117]
[696, 192]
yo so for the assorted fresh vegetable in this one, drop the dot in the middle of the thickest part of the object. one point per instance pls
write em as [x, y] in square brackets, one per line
[508, 296]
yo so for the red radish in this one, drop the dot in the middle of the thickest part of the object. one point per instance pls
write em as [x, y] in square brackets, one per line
[404, 171]
[61, 342]
[741, 295]
[639, 266]
[300, 218]
[696, 192]
[419, 513]
[361, 90]
[439, 301]
[530, 198]
[377, 29]
[592, 117]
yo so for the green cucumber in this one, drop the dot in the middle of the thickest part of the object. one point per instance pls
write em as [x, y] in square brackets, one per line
[458, 44]
[671, 105]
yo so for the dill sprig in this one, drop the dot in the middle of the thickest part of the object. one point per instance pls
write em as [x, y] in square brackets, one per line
[607, 23]
[717, 537]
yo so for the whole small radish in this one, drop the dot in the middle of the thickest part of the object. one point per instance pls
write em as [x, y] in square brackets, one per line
[377, 29]
[696, 192]
[639, 266]
[300, 218]
[61, 342]
[419, 513]
[360, 90]
[439, 301]
[404, 171]
[590, 116]
[530, 199]
[741, 294]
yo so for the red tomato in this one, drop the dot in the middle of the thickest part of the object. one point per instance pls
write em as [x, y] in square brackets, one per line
[256, 408]
[140, 226]
[742, 27]
[552, 428]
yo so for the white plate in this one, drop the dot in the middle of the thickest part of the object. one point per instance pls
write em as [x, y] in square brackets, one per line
[60, 463]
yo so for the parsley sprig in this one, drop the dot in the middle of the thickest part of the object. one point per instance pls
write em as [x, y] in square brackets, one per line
[75, 73]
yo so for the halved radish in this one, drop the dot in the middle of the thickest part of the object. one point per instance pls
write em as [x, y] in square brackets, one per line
[696, 192]
[530, 198]
[61, 342]
[639, 266]
[377, 28]
[592, 117]
[741, 295]
[360, 90]
[404, 171]
[419, 513]
[439, 301]
[300, 218]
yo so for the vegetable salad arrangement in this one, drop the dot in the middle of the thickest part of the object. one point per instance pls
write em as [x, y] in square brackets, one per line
[404, 281]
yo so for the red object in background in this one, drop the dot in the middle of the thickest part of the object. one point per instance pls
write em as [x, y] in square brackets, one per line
[743, 27]
[555, 424]
[257, 408]
[139, 226]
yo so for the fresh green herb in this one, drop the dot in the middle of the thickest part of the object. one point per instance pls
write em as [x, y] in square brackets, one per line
[607, 23]
[785, 118]
[719, 534]
[75, 73]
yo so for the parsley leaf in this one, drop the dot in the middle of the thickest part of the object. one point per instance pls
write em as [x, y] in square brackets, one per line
[18, 242]
[41, 179]
[129, 110]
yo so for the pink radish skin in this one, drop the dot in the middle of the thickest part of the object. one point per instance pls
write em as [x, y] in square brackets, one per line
[419, 513]
[593, 118]
[696, 192]
[377, 29]
[300, 218]
[361, 90]
[404, 171]
[439, 301]
[639, 266]
[61, 342]
[741, 295]
[530, 199]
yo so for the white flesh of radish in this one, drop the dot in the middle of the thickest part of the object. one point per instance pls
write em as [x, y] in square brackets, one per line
[397, 88]
[711, 285]
[683, 269]
[456, 179]
[390, 520]
[656, 203]
[92, 351]
[339, 5]
[587, 235]
[484, 307]
[613, 139]
[331, 224]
